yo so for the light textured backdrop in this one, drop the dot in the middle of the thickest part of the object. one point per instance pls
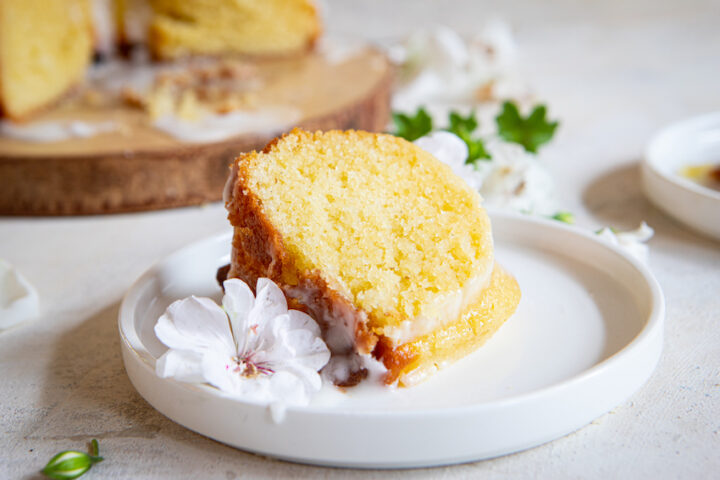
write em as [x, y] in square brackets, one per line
[612, 71]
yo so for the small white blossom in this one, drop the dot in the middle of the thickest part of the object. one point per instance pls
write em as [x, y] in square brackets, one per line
[441, 66]
[512, 180]
[632, 241]
[516, 180]
[252, 348]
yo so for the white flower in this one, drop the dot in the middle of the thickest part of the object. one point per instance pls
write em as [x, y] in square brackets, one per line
[512, 180]
[632, 241]
[516, 180]
[452, 151]
[441, 66]
[252, 348]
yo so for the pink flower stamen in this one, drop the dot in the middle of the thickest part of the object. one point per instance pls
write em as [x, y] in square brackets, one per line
[249, 368]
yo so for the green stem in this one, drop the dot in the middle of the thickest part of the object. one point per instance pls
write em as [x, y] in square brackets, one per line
[94, 447]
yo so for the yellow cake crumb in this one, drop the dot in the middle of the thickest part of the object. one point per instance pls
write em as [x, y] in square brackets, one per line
[232, 26]
[45, 47]
[391, 227]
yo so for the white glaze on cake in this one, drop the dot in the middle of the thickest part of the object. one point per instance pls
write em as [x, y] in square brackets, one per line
[444, 310]
[214, 128]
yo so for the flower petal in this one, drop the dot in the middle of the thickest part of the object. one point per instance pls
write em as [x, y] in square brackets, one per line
[288, 388]
[306, 350]
[182, 365]
[303, 321]
[293, 338]
[196, 324]
[269, 300]
[219, 371]
[237, 302]
[19, 300]
[446, 147]
[641, 234]
[269, 303]
[631, 241]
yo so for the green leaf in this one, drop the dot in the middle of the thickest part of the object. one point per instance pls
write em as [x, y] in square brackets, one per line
[71, 464]
[463, 127]
[460, 125]
[476, 151]
[565, 217]
[530, 132]
[412, 127]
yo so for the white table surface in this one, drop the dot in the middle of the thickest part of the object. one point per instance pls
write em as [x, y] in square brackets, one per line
[613, 73]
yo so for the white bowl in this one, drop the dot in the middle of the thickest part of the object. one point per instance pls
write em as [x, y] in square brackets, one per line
[694, 141]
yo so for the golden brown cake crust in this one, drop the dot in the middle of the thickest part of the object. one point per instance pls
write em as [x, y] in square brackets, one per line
[258, 251]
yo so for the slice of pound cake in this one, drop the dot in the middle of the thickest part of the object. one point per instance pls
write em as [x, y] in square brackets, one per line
[380, 242]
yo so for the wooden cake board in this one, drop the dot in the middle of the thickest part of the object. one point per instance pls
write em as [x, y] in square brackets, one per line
[142, 168]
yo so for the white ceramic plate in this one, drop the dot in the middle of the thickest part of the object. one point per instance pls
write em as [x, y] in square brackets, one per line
[691, 142]
[587, 334]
